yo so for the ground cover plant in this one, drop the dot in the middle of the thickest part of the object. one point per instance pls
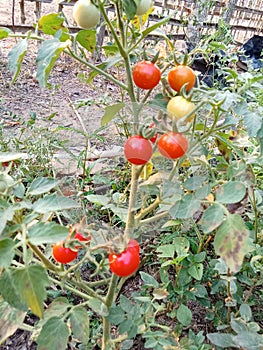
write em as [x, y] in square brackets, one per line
[182, 216]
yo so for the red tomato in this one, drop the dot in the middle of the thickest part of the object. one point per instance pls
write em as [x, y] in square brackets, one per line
[172, 145]
[62, 254]
[138, 150]
[180, 75]
[134, 244]
[81, 238]
[125, 263]
[146, 75]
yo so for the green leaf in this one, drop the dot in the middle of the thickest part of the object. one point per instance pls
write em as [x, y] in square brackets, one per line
[221, 340]
[245, 312]
[80, 325]
[53, 335]
[166, 251]
[112, 61]
[122, 213]
[125, 303]
[130, 8]
[184, 315]
[5, 216]
[7, 252]
[30, 283]
[110, 112]
[57, 308]
[150, 29]
[10, 292]
[116, 315]
[185, 208]
[98, 306]
[48, 53]
[196, 271]
[87, 39]
[231, 192]
[149, 280]
[182, 246]
[4, 32]
[195, 182]
[253, 123]
[10, 320]
[52, 203]
[98, 199]
[47, 233]
[212, 217]
[16, 56]
[251, 341]
[232, 241]
[42, 185]
[51, 24]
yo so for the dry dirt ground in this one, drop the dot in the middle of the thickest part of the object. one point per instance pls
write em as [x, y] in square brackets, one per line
[25, 96]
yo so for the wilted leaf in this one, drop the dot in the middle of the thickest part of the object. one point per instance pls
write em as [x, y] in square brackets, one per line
[232, 241]
[87, 39]
[79, 322]
[51, 24]
[212, 218]
[10, 320]
[53, 335]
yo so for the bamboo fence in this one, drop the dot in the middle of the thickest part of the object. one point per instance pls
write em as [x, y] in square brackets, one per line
[194, 18]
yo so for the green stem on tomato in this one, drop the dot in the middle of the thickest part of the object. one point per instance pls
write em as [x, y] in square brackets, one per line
[48, 264]
[130, 222]
[110, 297]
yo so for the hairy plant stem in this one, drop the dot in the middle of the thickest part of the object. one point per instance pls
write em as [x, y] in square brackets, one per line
[110, 297]
[229, 296]
[48, 264]
[130, 222]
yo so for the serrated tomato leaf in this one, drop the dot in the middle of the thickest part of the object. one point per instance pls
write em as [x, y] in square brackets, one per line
[52, 203]
[47, 233]
[6, 252]
[53, 335]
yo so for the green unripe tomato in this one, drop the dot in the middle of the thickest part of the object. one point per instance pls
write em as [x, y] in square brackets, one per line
[143, 7]
[85, 14]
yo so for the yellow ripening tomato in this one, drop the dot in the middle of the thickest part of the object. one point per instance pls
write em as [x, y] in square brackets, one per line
[178, 107]
[143, 7]
[85, 14]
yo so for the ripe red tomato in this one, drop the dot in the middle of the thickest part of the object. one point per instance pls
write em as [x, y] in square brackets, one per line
[138, 150]
[125, 263]
[172, 145]
[146, 75]
[180, 75]
[80, 237]
[62, 254]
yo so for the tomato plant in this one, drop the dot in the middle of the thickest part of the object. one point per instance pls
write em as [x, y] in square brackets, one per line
[85, 14]
[173, 145]
[146, 75]
[138, 150]
[181, 75]
[178, 107]
[143, 7]
[63, 254]
[127, 262]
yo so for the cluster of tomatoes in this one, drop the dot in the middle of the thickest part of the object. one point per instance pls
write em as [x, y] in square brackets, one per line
[121, 264]
[172, 145]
